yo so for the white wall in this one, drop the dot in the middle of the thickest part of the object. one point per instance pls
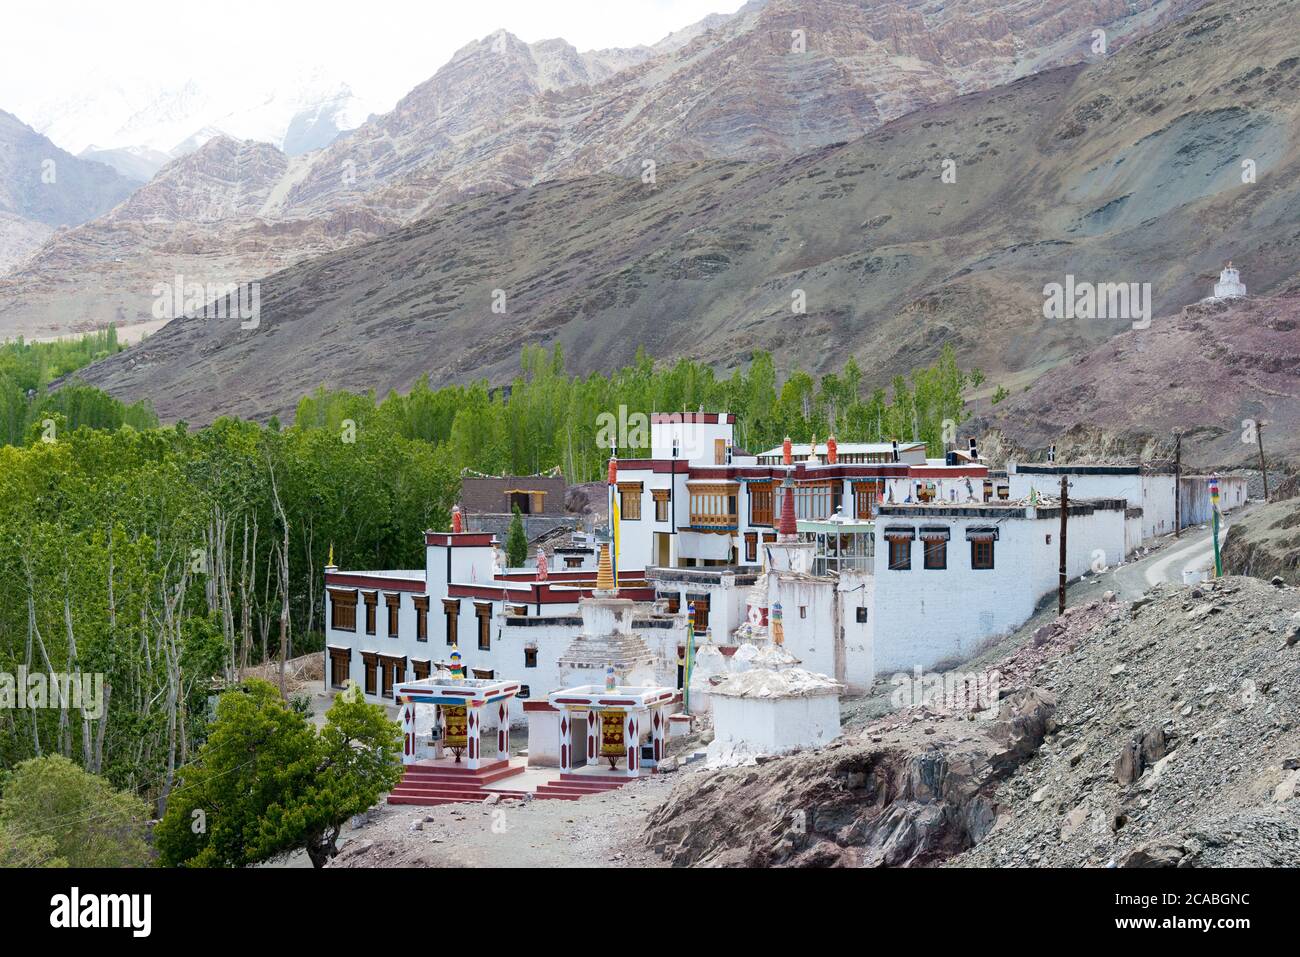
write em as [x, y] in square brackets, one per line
[924, 617]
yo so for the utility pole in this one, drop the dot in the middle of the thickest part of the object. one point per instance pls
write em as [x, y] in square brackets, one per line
[1263, 466]
[1065, 509]
[1178, 486]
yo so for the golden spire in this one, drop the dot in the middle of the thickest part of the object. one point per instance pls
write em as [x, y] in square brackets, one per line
[605, 572]
[331, 561]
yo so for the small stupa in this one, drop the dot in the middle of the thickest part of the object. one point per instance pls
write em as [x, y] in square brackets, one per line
[607, 640]
[1229, 285]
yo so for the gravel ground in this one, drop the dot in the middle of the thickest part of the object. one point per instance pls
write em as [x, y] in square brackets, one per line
[596, 831]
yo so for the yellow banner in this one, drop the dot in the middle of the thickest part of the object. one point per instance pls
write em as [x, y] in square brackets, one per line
[457, 718]
[611, 734]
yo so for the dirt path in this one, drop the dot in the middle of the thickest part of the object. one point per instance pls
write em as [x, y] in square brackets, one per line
[597, 831]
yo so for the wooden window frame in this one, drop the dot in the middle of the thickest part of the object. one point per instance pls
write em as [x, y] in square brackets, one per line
[715, 505]
[935, 554]
[393, 606]
[421, 603]
[370, 661]
[451, 611]
[981, 555]
[339, 656]
[866, 496]
[392, 673]
[483, 612]
[421, 668]
[530, 657]
[751, 546]
[663, 501]
[343, 610]
[762, 504]
[629, 501]
[372, 604]
[900, 554]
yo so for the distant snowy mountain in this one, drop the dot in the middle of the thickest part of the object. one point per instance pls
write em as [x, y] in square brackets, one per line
[136, 125]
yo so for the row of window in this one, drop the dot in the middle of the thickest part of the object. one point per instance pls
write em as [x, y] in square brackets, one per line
[387, 671]
[717, 505]
[343, 615]
[935, 554]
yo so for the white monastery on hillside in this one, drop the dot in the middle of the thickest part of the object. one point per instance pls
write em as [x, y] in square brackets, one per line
[851, 560]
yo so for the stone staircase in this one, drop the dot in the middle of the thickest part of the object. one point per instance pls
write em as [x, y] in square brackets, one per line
[571, 787]
[450, 784]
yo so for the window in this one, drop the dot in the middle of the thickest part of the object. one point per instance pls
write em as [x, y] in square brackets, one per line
[483, 674]
[451, 610]
[420, 669]
[719, 451]
[803, 611]
[343, 610]
[394, 603]
[714, 506]
[372, 600]
[701, 603]
[674, 602]
[751, 546]
[934, 543]
[862, 616]
[484, 612]
[900, 548]
[981, 546]
[371, 662]
[394, 670]
[760, 504]
[865, 496]
[530, 657]
[813, 501]
[662, 501]
[340, 667]
[421, 604]
[629, 501]
[573, 561]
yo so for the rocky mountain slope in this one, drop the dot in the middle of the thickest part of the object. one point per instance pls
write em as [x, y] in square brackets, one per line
[504, 114]
[1161, 732]
[42, 187]
[1203, 372]
[1265, 542]
[1126, 170]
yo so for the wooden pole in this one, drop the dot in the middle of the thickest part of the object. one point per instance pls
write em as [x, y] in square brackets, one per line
[1263, 466]
[1178, 486]
[1065, 509]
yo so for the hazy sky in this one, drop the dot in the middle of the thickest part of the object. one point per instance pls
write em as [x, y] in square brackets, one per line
[382, 48]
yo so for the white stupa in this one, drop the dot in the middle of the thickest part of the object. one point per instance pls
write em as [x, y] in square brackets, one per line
[1229, 285]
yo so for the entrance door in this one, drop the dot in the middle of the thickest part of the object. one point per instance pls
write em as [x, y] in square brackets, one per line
[663, 550]
[578, 740]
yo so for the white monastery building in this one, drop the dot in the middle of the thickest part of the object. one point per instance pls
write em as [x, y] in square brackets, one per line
[852, 560]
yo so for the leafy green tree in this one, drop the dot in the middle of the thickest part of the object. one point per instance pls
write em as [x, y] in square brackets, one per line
[516, 541]
[267, 783]
[52, 808]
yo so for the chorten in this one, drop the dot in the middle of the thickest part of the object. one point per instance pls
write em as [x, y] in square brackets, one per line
[1229, 285]
[607, 639]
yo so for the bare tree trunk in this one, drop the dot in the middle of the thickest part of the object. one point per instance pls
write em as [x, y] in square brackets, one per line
[284, 578]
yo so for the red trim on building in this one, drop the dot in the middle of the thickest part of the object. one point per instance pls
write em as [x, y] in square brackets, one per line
[376, 582]
[461, 540]
[692, 418]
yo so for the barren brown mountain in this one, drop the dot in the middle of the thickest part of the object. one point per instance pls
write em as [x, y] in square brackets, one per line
[1126, 170]
[1204, 373]
[771, 82]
